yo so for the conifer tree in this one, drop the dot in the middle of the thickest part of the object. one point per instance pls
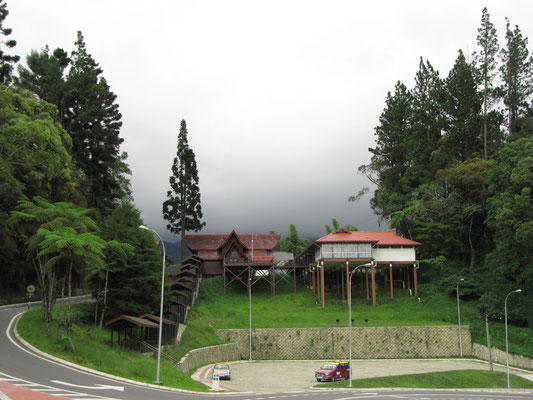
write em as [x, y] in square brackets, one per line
[182, 209]
[487, 41]
[6, 61]
[462, 106]
[517, 75]
[45, 76]
[93, 120]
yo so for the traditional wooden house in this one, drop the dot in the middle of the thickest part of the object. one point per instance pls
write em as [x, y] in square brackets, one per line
[217, 250]
[238, 258]
[333, 257]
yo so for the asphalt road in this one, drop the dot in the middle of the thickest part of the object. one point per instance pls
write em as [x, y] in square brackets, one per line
[27, 369]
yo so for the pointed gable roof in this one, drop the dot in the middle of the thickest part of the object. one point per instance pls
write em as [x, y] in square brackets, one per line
[215, 247]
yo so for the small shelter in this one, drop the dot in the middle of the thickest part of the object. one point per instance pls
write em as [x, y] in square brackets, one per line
[170, 328]
[132, 332]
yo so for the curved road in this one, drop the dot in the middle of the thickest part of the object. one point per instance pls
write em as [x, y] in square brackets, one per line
[22, 367]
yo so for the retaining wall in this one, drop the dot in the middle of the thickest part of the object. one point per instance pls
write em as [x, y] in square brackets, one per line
[367, 342]
[209, 355]
[499, 356]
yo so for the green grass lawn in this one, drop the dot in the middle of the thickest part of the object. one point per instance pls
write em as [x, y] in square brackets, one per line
[92, 351]
[459, 379]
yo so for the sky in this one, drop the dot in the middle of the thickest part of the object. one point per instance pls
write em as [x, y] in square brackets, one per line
[281, 98]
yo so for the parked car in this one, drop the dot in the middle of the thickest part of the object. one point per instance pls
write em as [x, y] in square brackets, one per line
[333, 371]
[222, 370]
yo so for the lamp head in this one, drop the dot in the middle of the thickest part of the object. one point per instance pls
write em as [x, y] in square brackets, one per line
[144, 227]
[518, 291]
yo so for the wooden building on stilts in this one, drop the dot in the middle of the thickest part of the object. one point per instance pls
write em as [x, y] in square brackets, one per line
[363, 257]
[239, 258]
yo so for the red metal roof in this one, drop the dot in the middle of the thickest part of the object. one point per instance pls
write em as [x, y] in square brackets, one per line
[380, 238]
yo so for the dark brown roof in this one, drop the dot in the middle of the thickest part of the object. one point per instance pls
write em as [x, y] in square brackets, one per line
[134, 320]
[155, 318]
[208, 247]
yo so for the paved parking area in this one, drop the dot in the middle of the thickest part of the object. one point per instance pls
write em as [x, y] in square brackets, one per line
[284, 376]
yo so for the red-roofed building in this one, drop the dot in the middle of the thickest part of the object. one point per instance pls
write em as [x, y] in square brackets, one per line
[367, 252]
[218, 250]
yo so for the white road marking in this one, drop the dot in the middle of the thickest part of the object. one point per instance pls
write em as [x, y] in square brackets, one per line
[97, 386]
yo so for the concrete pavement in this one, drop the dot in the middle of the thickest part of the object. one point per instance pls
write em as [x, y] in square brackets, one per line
[284, 376]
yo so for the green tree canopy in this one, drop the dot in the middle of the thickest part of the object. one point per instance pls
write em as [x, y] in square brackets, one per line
[292, 243]
[134, 283]
[183, 209]
[6, 60]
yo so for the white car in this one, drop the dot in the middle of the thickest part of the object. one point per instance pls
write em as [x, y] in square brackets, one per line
[222, 370]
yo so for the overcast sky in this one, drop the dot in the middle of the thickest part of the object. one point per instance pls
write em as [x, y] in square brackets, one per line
[280, 97]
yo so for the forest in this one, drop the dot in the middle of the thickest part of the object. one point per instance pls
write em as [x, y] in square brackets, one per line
[453, 169]
[67, 219]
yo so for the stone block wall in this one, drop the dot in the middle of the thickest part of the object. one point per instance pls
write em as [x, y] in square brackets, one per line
[500, 356]
[367, 342]
[209, 355]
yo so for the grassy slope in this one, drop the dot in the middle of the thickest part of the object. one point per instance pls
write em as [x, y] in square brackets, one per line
[93, 351]
[299, 310]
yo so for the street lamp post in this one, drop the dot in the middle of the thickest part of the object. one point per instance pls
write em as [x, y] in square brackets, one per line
[161, 307]
[350, 320]
[506, 336]
[459, 317]
[250, 308]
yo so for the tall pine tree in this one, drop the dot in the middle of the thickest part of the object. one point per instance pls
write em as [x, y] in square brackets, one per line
[6, 60]
[182, 209]
[93, 120]
[517, 75]
[487, 41]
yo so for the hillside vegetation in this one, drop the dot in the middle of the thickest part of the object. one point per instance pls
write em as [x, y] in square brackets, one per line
[300, 309]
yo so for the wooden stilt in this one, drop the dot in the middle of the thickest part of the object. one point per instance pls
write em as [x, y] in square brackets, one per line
[408, 279]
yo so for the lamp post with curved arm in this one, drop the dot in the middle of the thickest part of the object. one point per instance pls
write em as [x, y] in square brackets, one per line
[350, 316]
[161, 307]
[506, 336]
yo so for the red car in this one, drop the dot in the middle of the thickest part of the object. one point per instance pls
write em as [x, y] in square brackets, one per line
[333, 371]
